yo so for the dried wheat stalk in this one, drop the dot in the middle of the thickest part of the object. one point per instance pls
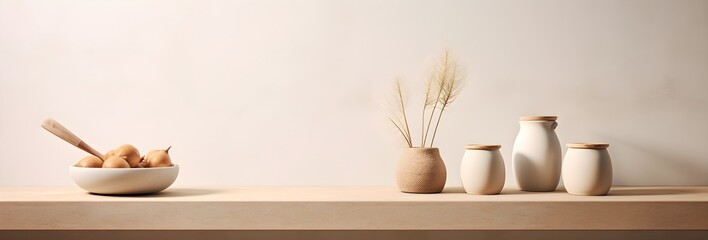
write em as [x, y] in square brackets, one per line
[441, 89]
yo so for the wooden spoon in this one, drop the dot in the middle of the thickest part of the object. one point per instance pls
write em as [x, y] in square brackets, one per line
[60, 131]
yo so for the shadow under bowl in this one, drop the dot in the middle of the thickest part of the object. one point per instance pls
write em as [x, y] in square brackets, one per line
[124, 181]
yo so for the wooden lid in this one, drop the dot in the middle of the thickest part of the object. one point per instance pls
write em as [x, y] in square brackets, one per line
[538, 118]
[588, 145]
[481, 147]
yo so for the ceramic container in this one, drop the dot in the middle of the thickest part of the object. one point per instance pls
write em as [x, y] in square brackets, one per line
[536, 156]
[421, 170]
[124, 181]
[482, 169]
[587, 169]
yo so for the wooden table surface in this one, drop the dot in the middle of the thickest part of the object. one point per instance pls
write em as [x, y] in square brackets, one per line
[352, 208]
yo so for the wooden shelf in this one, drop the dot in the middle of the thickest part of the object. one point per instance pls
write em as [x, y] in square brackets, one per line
[352, 208]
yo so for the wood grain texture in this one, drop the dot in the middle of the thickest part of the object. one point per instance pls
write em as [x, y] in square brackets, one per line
[350, 235]
[588, 145]
[62, 132]
[538, 118]
[482, 147]
[352, 208]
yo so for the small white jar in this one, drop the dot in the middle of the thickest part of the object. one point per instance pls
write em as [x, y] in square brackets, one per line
[587, 169]
[482, 169]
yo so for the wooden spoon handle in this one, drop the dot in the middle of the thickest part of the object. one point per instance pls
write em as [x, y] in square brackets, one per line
[60, 131]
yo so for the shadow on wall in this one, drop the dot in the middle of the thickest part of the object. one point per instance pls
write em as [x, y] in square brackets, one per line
[665, 164]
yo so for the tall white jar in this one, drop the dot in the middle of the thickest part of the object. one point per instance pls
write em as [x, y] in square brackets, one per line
[536, 156]
[482, 169]
[587, 169]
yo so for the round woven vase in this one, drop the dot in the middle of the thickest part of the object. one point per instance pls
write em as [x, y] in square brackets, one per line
[421, 170]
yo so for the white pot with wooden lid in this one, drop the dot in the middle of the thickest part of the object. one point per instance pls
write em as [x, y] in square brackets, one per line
[587, 169]
[482, 169]
[536, 156]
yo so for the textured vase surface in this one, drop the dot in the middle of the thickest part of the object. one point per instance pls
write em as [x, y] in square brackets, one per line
[421, 170]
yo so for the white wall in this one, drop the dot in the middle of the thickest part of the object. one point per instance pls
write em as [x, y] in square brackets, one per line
[289, 92]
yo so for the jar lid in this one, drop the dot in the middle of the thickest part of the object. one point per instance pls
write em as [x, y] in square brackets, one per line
[588, 145]
[538, 118]
[481, 147]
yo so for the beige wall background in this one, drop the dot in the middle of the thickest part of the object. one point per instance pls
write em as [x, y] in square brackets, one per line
[289, 92]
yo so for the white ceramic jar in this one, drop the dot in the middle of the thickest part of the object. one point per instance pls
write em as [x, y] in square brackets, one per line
[587, 169]
[536, 156]
[482, 169]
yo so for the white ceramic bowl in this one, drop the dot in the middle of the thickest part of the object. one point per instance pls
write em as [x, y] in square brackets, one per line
[124, 181]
